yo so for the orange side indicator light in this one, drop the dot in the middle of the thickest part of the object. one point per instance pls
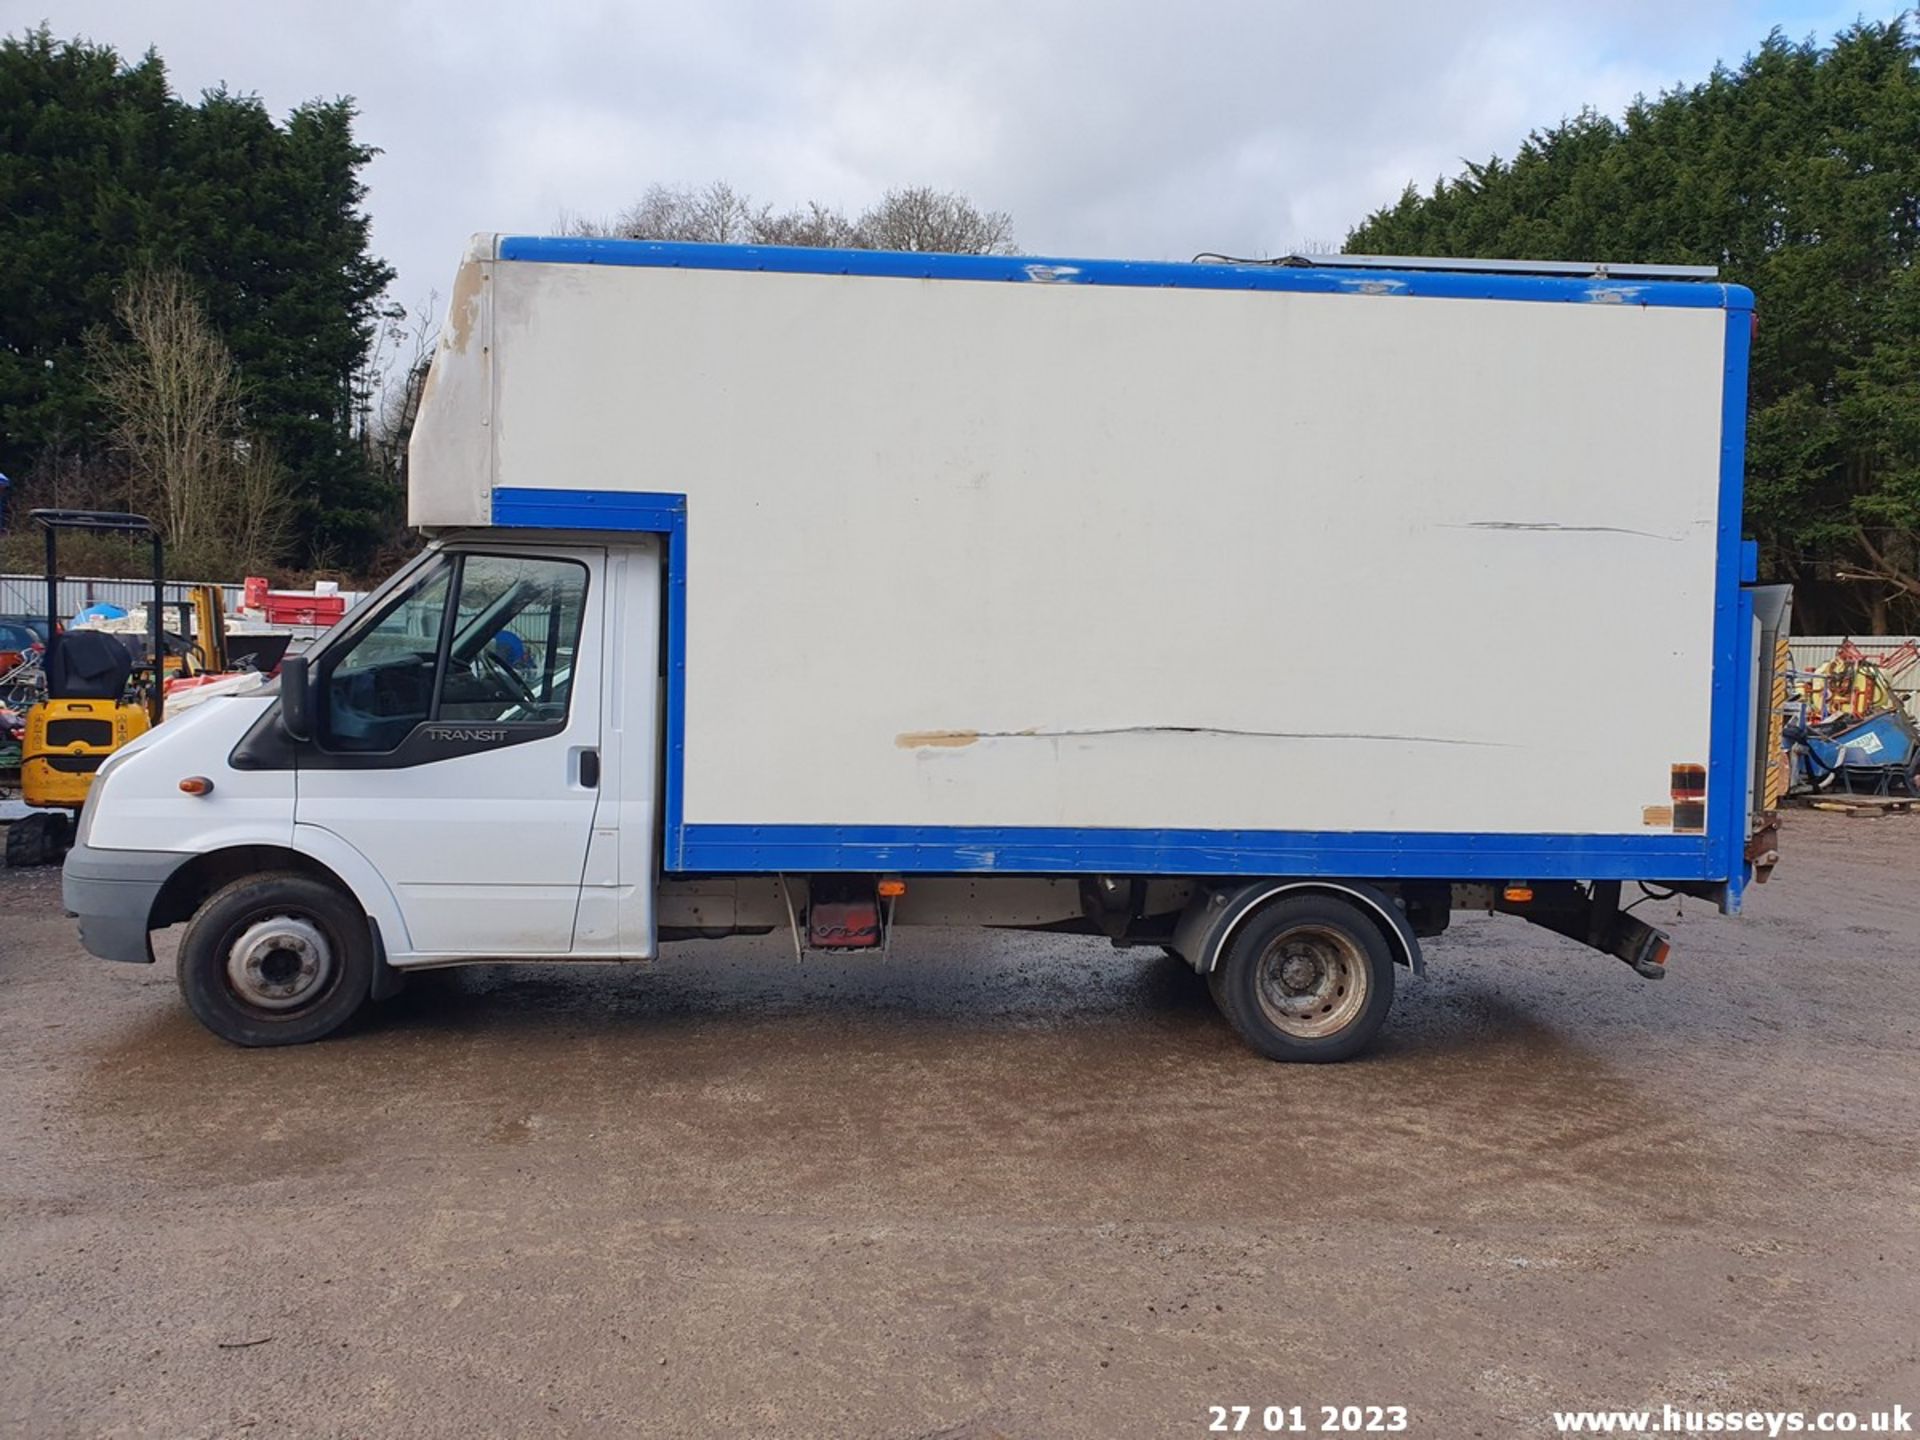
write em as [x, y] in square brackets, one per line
[196, 785]
[892, 889]
[1517, 894]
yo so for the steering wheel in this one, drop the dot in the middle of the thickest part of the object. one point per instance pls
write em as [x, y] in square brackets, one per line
[486, 663]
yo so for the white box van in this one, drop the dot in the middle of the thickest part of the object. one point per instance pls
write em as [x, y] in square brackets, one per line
[1266, 613]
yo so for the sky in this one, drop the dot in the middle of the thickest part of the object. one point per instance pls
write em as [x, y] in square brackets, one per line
[1136, 128]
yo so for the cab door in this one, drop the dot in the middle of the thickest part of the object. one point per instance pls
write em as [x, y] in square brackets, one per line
[456, 746]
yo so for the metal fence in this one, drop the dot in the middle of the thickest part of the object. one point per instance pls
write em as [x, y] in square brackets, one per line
[1812, 651]
[27, 594]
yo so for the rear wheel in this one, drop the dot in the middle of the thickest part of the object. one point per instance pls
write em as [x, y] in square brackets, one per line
[1307, 978]
[276, 959]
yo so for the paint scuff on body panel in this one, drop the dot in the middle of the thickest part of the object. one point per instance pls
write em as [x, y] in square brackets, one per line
[946, 739]
[1550, 525]
[463, 310]
[935, 739]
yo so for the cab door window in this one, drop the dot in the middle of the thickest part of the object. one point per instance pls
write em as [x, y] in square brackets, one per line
[516, 636]
[378, 689]
[502, 652]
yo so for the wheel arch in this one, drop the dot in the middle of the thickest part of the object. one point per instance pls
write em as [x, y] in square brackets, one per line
[1216, 913]
[188, 887]
[314, 851]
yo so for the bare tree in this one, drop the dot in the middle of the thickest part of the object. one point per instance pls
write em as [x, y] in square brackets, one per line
[396, 377]
[262, 519]
[717, 214]
[816, 226]
[178, 405]
[917, 218]
[921, 218]
[173, 391]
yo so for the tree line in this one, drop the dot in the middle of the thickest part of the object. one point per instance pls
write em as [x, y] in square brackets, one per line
[915, 218]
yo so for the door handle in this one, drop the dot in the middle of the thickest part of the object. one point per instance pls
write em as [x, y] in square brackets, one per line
[590, 769]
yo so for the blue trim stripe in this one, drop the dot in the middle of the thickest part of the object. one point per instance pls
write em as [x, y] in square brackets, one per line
[1733, 702]
[590, 510]
[1352, 854]
[637, 512]
[1033, 269]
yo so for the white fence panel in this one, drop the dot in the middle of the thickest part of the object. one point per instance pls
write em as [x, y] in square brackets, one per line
[27, 594]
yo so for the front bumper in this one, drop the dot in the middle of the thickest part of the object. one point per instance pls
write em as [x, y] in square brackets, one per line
[111, 893]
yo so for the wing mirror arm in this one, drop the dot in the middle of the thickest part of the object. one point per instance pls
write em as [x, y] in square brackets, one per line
[296, 698]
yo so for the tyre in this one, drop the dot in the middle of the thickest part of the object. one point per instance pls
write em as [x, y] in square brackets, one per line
[41, 838]
[1306, 978]
[27, 842]
[276, 959]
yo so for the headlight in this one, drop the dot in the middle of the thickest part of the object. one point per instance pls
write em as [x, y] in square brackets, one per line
[85, 822]
[88, 805]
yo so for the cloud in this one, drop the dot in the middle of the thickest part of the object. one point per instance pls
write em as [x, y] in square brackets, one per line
[1132, 127]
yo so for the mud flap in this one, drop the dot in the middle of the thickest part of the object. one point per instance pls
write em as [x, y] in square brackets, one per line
[387, 981]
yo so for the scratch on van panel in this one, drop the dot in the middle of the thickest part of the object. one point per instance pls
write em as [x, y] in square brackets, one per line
[916, 739]
[1575, 529]
[1613, 295]
[1053, 274]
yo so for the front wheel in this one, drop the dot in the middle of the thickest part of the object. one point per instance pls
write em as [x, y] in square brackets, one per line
[276, 959]
[1308, 978]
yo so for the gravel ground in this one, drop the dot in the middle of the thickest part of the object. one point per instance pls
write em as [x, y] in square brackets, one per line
[998, 1186]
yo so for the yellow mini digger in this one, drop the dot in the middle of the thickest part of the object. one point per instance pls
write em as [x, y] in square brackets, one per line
[97, 697]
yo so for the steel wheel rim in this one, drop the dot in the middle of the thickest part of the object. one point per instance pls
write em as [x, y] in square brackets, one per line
[280, 963]
[1312, 981]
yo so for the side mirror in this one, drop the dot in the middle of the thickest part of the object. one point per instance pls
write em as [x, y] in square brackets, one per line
[296, 698]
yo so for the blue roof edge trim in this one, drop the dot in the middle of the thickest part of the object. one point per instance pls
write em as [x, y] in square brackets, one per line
[1146, 274]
